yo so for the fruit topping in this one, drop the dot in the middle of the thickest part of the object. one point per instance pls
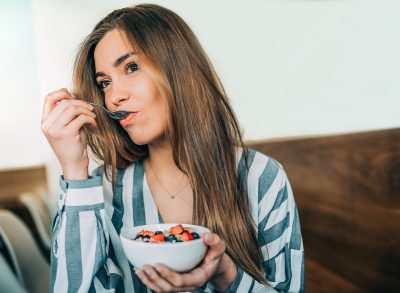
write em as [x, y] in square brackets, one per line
[158, 238]
[175, 234]
[176, 230]
[186, 236]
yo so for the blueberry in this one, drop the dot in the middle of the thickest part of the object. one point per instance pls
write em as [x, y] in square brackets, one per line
[139, 237]
[171, 238]
[158, 232]
[195, 235]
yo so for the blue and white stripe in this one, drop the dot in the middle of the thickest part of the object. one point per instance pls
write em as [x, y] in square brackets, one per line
[87, 255]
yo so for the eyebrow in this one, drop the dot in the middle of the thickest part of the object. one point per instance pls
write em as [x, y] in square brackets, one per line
[116, 63]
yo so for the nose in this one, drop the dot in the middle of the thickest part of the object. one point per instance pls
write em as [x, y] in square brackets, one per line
[119, 93]
[118, 99]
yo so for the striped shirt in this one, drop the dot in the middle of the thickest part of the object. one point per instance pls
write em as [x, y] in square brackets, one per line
[87, 255]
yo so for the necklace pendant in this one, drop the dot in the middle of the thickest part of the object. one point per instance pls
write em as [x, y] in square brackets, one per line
[172, 196]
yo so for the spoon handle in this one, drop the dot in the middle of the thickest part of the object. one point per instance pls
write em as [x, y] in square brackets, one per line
[116, 115]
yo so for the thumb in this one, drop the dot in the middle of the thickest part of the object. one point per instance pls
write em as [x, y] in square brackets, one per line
[212, 239]
[208, 238]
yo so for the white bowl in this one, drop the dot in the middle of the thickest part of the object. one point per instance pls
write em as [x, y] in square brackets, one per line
[180, 256]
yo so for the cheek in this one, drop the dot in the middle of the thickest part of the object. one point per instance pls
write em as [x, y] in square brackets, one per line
[151, 126]
[155, 107]
[147, 134]
[108, 103]
[162, 122]
[157, 119]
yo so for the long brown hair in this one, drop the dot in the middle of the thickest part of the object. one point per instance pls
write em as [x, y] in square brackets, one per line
[205, 135]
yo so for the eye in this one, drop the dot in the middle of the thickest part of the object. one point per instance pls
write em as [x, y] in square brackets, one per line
[103, 84]
[132, 67]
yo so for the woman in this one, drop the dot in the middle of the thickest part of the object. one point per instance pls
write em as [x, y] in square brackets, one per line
[178, 157]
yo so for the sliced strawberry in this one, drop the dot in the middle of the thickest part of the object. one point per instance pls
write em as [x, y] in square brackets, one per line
[186, 236]
[149, 233]
[176, 230]
[188, 229]
[158, 238]
[140, 233]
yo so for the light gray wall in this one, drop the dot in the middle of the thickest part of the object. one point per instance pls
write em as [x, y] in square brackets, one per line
[290, 67]
[20, 139]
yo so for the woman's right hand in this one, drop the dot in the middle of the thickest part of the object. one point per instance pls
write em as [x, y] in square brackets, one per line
[62, 121]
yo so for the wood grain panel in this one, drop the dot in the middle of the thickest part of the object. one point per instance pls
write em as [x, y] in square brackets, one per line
[322, 280]
[18, 180]
[347, 188]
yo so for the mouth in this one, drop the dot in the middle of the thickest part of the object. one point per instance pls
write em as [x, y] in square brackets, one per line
[128, 119]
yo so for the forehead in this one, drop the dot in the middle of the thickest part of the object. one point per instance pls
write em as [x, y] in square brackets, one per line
[113, 45]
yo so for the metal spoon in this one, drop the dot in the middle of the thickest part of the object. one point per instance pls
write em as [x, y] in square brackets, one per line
[116, 115]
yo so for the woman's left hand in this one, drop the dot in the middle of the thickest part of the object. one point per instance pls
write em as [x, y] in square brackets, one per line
[216, 266]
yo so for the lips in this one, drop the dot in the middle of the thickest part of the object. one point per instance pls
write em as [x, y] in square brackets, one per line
[128, 119]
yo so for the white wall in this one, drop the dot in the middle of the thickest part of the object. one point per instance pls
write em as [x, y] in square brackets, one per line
[290, 67]
[20, 138]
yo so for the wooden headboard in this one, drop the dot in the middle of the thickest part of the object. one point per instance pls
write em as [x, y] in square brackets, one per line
[347, 188]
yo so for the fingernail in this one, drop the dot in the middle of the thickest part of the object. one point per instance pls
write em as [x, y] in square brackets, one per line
[159, 268]
[138, 270]
[90, 106]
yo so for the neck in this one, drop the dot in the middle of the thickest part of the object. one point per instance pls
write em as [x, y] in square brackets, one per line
[161, 158]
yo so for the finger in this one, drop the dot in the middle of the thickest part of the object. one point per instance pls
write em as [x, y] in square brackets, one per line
[185, 282]
[160, 282]
[65, 112]
[69, 114]
[79, 121]
[145, 280]
[66, 104]
[52, 99]
[59, 97]
[216, 247]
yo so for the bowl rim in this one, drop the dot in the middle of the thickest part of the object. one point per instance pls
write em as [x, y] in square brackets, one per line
[165, 243]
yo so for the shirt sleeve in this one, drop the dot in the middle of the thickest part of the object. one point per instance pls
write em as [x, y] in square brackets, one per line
[279, 236]
[79, 260]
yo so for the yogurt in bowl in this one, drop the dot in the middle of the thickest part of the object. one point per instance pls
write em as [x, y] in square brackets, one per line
[181, 255]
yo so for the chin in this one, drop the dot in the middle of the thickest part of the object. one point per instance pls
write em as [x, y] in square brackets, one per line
[139, 141]
[145, 140]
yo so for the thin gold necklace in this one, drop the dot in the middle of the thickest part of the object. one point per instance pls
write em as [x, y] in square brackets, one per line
[172, 196]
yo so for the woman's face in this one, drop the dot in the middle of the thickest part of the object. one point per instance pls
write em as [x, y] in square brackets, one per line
[127, 86]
